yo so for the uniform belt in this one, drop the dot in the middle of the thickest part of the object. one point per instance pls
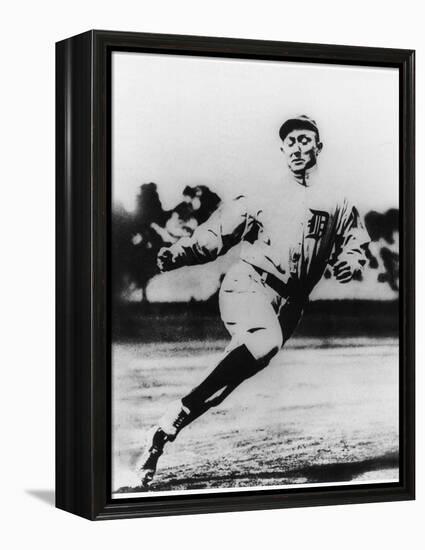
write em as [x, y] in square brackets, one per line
[273, 282]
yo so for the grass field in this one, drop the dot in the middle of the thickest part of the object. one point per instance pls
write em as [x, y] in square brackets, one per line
[318, 413]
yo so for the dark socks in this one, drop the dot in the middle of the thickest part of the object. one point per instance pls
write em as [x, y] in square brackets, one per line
[236, 367]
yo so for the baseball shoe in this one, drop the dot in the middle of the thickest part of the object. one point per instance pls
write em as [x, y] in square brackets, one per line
[146, 466]
[167, 430]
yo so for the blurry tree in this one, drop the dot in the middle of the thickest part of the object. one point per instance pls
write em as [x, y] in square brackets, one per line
[137, 237]
[383, 252]
[202, 200]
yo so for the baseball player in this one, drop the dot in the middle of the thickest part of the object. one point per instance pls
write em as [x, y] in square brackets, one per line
[287, 243]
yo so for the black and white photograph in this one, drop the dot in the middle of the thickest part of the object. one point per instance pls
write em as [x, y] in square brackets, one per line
[211, 237]
[254, 275]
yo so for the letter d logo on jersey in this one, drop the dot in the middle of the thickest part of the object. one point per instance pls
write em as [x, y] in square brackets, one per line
[317, 224]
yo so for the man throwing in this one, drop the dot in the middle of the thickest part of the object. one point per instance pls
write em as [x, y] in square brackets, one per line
[287, 243]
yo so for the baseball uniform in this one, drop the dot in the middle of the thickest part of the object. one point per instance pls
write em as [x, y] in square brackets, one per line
[286, 245]
[287, 240]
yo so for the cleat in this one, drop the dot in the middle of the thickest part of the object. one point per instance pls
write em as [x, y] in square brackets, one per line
[147, 464]
[168, 428]
[146, 477]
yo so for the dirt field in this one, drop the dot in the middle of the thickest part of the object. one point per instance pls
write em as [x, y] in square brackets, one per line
[316, 414]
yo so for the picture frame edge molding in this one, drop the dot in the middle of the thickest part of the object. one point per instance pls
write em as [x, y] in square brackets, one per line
[83, 310]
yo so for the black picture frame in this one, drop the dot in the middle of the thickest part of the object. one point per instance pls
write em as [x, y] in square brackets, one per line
[83, 390]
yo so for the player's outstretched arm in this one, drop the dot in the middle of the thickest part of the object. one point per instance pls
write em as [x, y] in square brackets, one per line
[224, 229]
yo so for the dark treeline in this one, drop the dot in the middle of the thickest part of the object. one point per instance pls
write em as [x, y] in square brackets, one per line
[385, 226]
[138, 236]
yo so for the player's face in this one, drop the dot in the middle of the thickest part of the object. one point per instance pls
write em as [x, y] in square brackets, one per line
[301, 149]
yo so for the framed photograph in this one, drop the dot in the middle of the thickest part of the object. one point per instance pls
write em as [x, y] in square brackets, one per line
[235, 274]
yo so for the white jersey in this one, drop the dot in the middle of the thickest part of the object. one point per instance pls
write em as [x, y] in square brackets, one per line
[292, 237]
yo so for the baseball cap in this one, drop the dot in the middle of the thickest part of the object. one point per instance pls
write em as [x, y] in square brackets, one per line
[297, 123]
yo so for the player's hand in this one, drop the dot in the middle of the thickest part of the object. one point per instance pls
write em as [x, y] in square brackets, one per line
[343, 271]
[165, 260]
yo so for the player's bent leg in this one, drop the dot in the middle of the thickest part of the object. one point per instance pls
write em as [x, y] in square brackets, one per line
[251, 320]
[240, 363]
[249, 310]
[235, 367]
